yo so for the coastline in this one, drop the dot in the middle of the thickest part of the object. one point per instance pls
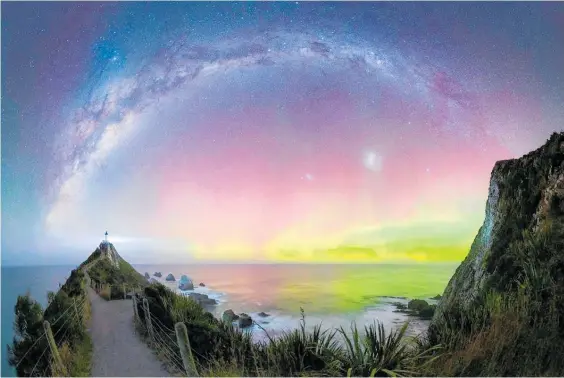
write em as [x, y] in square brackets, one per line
[383, 309]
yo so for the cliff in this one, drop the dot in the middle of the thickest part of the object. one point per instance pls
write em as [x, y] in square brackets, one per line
[110, 268]
[516, 262]
[108, 251]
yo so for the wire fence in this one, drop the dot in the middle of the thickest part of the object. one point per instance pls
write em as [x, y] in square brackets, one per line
[74, 315]
[172, 346]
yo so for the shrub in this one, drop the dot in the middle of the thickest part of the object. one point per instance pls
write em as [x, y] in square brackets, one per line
[222, 350]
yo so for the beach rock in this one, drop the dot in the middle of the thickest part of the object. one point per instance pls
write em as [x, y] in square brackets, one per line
[170, 277]
[245, 320]
[202, 284]
[427, 312]
[400, 306]
[263, 314]
[147, 276]
[417, 304]
[203, 299]
[158, 274]
[185, 283]
[229, 316]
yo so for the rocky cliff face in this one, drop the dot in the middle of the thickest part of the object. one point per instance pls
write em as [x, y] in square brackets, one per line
[526, 195]
[108, 250]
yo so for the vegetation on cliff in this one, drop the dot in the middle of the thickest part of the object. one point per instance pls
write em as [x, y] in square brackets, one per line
[113, 276]
[503, 310]
[219, 349]
[68, 313]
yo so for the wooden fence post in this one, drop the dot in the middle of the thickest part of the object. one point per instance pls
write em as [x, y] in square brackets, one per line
[124, 292]
[148, 318]
[135, 308]
[185, 350]
[53, 347]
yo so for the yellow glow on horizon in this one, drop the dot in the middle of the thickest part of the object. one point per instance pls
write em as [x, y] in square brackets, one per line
[426, 236]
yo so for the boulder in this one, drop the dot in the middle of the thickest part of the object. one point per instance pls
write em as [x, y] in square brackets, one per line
[203, 299]
[147, 276]
[427, 312]
[417, 304]
[202, 284]
[263, 314]
[185, 283]
[245, 320]
[229, 316]
[158, 274]
[170, 277]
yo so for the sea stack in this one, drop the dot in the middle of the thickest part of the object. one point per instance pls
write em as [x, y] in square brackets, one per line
[185, 283]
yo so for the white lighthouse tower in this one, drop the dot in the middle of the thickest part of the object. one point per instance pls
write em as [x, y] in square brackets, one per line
[106, 238]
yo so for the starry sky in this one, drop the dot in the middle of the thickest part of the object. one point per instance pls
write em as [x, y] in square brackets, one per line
[295, 131]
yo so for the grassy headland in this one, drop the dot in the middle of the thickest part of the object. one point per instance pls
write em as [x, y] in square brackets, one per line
[115, 278]
[68, 312]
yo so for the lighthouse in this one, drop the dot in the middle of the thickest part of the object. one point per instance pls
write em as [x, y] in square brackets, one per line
[106, 237]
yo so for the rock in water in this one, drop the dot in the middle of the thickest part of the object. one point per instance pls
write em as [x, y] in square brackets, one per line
[185, 283]
[263, 314]
[517, 253]
[229, 316]
[158, 274]
[202, 284]
[417, 304]
[203, 299]
[245, 320]
[147, 276]
[170, 277]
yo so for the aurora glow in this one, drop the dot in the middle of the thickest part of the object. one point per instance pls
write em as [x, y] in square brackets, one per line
[268, 131]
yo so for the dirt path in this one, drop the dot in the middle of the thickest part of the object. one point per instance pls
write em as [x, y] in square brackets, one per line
[118, 351]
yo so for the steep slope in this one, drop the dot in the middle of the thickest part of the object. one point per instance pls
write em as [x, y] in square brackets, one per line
[108, 267]
[514, 272]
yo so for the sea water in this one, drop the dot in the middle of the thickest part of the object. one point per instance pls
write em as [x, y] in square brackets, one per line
[334, 295]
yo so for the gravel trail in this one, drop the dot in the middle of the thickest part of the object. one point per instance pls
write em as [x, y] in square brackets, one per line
[118, 351]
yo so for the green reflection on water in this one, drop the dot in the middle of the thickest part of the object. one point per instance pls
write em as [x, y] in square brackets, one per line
[348, 288]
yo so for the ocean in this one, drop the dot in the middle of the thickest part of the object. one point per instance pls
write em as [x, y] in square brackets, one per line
[334, 295]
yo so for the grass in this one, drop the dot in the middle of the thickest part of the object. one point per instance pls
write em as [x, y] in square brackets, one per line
[517, 329]
[30, 351]
[221, 350]
[514, 323]
[114, 280]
